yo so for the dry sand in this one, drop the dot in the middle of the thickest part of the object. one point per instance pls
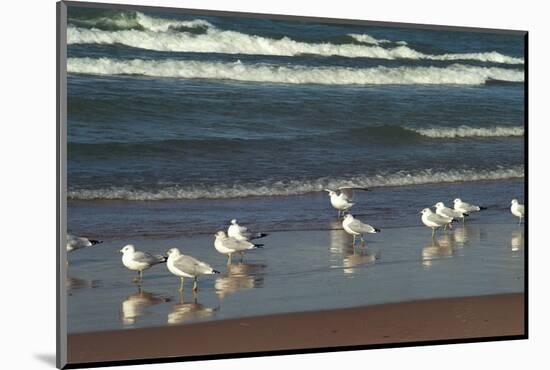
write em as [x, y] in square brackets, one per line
[425, 320]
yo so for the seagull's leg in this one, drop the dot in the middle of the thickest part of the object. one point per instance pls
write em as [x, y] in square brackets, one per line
[181, 284]
[140, 275]
[362, 240]
[136, 279]
[445, 227]
[519, 221]
[242, 255]
[195, 284]
[433, 232]
[229, 259]
[354, 240]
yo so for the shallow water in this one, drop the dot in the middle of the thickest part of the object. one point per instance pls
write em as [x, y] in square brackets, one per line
[311, 267]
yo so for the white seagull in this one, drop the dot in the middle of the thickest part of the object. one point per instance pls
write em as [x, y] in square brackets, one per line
[466, 208]
[228, 245]
[78, 242]
[186, 266]
[433, 220]
[242, 233]
[517, 209]
[441, 210]
[139, 261]
[342, 198]
[355, 227]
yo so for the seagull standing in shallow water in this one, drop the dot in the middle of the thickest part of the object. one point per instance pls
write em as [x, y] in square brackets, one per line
[139, 261]
[355, 227]
[228, 245]
[186, 266]
[517, 210]
[342, 198]
[441, 210]
[242, 233]
[433, 220]
[466, 208]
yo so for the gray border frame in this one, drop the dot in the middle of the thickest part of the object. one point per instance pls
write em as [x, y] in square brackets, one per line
[61, 173]
[61, 190]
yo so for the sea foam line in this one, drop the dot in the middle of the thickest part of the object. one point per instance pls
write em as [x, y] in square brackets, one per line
[296, 187]
[454, 74]
[467, 131]
[232, 42]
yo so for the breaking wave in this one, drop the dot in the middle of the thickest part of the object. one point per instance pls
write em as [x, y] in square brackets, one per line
[296, 187]
[467, 131]
[155, 35]
[455, 74]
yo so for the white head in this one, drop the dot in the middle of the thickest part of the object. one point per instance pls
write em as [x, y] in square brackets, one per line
[457, 201]
[330, 192]
[173, 252]
[426, 211]
[233, 221]
[439, 205]
[221, 234]
[128, 249]
[514, 201]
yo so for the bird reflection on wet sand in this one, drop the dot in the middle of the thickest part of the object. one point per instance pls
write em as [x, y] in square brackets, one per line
[238, 277]
[517, 240]
[344, 254]
[136, 305]
[183, 312]
[441, 247]
[73, 284]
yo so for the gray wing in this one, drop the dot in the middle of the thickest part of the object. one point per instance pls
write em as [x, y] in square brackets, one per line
[236, 245]
[451, 213]
[191, 266]
[438, 219]
[348, 191]
[145, 257]
[469, 207]
[360, 227]
[75, 242]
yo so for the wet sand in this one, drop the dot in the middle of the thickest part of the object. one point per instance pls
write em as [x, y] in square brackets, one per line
[413, 321]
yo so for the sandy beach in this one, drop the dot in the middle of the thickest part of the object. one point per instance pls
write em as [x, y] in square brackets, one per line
[414, 321]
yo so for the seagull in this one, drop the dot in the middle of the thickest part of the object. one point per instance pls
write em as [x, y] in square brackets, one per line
[517, 210]
[355, 227]
[187, 266]
[139, 261]
[434, 220]
[78, 242]
[242, 233]
[441, 210]
[342, 198]
[466, 208]
[228, 245]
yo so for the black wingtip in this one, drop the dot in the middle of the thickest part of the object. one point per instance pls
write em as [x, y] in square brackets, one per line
[262, 235]
[216, 271]
[94, 242]
[376, 230]
[164, 259]
[258, 245]
[466, 214]
[482, 208]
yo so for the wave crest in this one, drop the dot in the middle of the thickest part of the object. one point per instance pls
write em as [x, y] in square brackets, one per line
[233, 42]
[467, 131]
[454, 74]
[296, 187]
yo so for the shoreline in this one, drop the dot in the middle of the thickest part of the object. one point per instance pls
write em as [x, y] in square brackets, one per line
[393, 323]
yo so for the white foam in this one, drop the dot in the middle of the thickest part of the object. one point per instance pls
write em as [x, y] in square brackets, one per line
[454, 74]
[232, 42]
[295, 187]
[368, 39]
[467, 131]
[127, 21]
